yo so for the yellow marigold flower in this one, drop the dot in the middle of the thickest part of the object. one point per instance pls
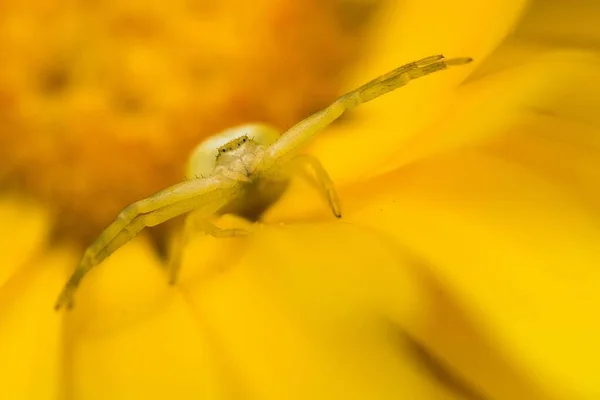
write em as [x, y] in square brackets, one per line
[465, 267]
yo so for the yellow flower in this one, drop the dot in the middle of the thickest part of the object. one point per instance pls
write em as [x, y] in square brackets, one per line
[465, 266]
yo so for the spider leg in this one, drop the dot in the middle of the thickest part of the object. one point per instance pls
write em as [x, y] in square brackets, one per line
[206, 194]
[322, 181]
[424, 62]
[297, 136]
[196, 223]
[95, 254]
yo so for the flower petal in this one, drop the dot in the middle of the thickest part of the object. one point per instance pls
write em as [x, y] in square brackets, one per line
[303, 313]
[31, 332]
[132, 336]
[565, 83]
[23, 232]
[559, 24]
[517, 248]
[407, 32]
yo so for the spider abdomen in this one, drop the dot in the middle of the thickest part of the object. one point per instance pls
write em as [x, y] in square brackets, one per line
[256, 198]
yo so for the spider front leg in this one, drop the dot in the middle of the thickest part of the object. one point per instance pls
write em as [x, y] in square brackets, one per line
[321, 178]
[197, 223]
[127, 228]
[300, 134]
[207, 194]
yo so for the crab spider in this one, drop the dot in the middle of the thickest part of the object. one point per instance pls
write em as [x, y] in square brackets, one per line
[241, 171]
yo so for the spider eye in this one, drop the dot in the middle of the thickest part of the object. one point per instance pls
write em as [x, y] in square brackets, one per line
[244, 140]
[223, 150]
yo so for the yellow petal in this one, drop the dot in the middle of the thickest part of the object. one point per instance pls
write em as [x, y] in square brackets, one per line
[304, 312]
[556, 23]
[408, 31]
[517, 248]
[562, 150]
[132, 336]
[563, 83]
[23, 233]
[31, 334]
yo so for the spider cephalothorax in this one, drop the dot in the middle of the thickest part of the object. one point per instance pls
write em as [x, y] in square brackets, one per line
[237, 157]
[241, 170]
[232, 145]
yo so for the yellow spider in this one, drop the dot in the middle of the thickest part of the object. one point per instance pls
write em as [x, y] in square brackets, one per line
[241, 171]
